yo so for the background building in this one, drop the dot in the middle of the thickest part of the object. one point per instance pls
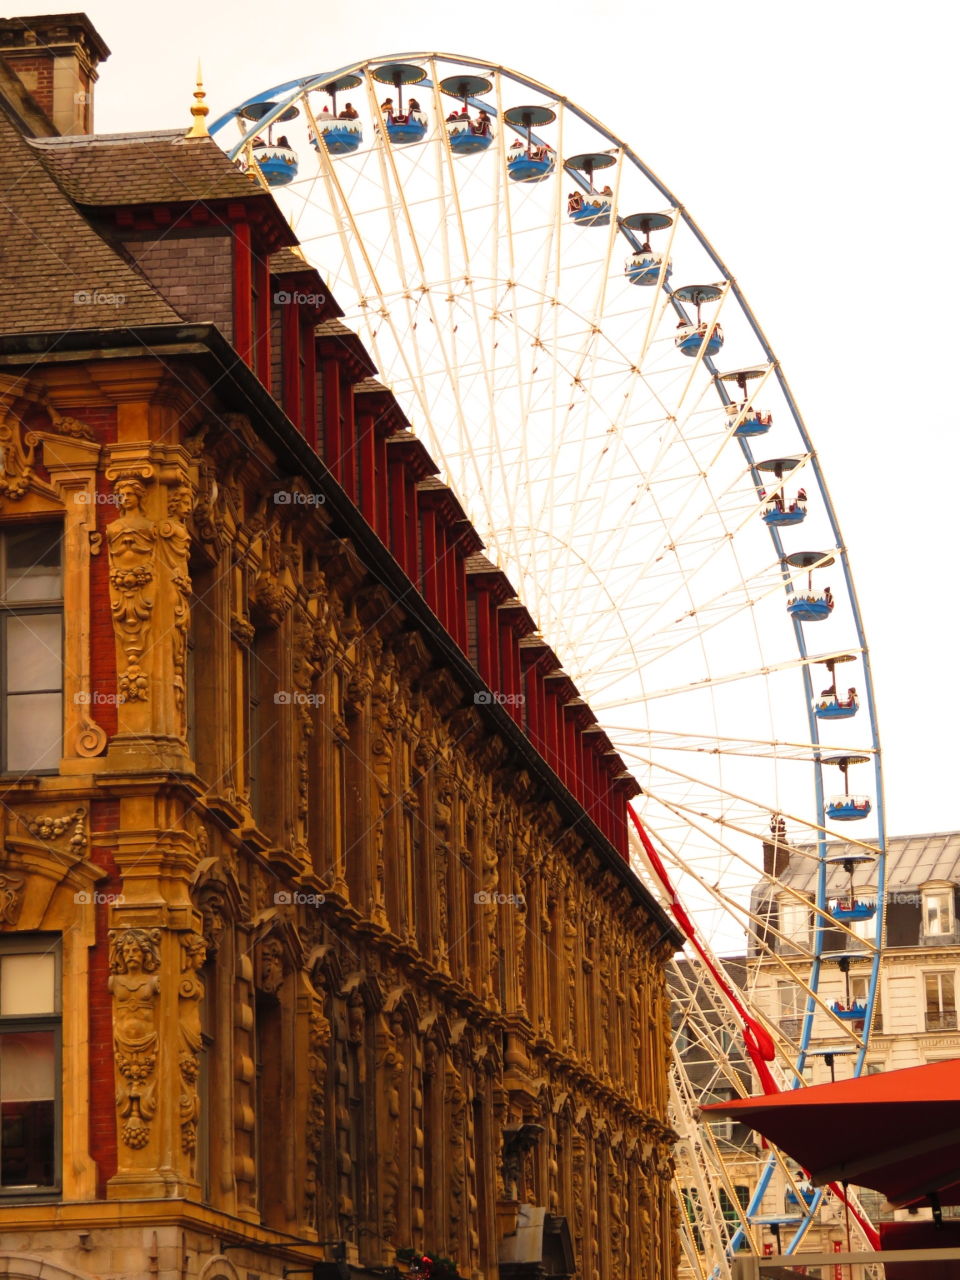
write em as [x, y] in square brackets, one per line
[319, 942]
[915, 1012]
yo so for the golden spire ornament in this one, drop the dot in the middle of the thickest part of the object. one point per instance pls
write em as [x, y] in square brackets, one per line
[199, 110]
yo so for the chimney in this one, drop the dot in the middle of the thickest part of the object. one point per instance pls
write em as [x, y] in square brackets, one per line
[56, 58]
[776, 851]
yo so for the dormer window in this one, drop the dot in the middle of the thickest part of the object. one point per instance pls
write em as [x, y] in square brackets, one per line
[938, 917]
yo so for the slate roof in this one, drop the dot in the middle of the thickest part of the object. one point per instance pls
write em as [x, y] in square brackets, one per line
[50, 256]
[911, 862]
[144, 168]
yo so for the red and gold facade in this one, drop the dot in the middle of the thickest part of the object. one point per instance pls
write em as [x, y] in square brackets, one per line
[315, 914]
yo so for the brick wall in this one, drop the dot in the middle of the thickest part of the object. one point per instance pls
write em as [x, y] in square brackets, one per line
[192, 269]
[36, 72]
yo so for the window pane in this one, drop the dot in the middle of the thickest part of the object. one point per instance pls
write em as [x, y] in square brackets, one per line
[34, 658]
[938, 912]
[27, 1109]
[34, 731]
[946, 990]
[27, 1066]
[33, 563]
[27, 984]
[931, 983]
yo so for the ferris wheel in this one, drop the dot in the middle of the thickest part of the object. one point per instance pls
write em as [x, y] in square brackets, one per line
[587, 372]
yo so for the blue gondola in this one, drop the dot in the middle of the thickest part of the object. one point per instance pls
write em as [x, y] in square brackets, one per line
[810, 605]
[643, 267]
[794, 514]
[755, 423]
[809, 608]
[590, 208]
[532, 168]
[534, 161]
[341, 131]
[402, 126]
[464, 140]
[277, 164]
[834, 709]
[467, 137]
[808, 1194]
[847, 909]
[692, 339]
[402, 130]
[340, 137]
[592, 211]
[852, 1013]
[849, 808]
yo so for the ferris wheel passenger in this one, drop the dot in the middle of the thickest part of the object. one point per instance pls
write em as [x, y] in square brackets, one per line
[349, 112]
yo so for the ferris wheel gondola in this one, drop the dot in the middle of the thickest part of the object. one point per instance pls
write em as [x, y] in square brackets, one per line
[535, 161]
[701, 337]
[340, 132]
[643, 266]
[403, 125]
[276, 161]
[848, 808]
[810, 606]
[590, 208]
[468, 135]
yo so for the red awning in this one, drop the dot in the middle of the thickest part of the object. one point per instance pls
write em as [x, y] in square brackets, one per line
[897, 1132]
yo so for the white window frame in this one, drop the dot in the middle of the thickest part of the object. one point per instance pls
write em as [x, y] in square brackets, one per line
[42, 606]
[795, 922]
[942, 893]
[944, 1011]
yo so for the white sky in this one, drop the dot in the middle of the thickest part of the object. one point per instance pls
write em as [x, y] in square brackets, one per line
[814, 145]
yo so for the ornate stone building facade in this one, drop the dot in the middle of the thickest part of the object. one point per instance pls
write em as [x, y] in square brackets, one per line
[318, 942]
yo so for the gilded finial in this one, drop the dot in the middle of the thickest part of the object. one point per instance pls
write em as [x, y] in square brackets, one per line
[199, 110]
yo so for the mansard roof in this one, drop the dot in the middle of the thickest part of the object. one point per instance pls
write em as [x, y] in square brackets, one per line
[55, 265]
[158, 167]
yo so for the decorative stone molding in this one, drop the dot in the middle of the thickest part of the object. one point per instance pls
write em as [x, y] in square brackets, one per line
[49, 829]
[12, 889]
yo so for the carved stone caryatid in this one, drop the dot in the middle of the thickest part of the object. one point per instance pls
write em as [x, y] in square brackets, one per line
[318, 1043]
[193, 950]
[135, 987]
[455, 1106]
[445, 792]
[271, 969]
[520, 925]
[390, 1071]
[383, 727]
[304, 673]
[270, 598]
[578, 1173]
[173, 546]
[617, 1225]
[568, 994]
[12, 889]
[490, 912]
[132, 543]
